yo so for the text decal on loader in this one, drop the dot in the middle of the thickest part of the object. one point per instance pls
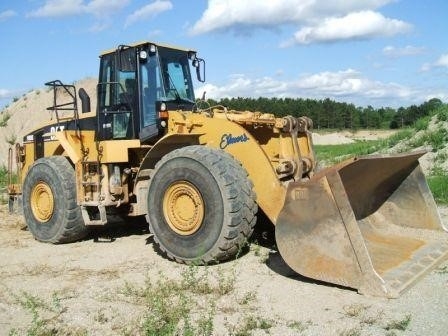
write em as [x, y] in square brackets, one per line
[229, 139]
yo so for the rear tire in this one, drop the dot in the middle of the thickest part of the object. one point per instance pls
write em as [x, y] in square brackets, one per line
[201, 205]
[49, 202]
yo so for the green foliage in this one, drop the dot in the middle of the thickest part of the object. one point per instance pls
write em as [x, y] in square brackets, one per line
[171, 305]
[355, 309]
[442, 113]
[251, 323]
[329, 114]
[399, 324]
[437, 139]
[45, 317]
[336, 153]
[439, 187]
[4, 119]
[422, 123]
[300, 326]
[3, 176]
[11, 139]
[397, 137]
[350, 332]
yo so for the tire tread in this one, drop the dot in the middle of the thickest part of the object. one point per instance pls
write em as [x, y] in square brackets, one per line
[239, 198]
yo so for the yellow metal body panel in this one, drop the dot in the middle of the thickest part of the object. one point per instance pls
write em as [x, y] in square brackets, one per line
[256, 153]
[117, 150]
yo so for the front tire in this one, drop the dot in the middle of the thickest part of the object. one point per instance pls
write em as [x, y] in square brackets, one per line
[201, 205]
[49, 202]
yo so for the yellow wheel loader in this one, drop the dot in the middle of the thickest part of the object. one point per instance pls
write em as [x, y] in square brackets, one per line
[200, 173]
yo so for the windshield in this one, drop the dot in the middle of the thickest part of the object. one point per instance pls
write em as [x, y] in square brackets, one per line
[176, 75]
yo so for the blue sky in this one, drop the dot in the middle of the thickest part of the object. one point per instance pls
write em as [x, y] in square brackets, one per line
[371, 52]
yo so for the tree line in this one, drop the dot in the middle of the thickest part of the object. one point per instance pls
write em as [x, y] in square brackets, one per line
[330, 114]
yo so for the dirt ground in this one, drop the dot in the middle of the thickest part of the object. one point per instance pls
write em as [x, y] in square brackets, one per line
[84, 288]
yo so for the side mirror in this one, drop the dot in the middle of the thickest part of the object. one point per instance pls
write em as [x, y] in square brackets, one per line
[200, 70]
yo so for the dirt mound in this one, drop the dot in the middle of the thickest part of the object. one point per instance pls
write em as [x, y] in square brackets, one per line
[30, 110]
[345, 137]
[331, 139]
[433, 139]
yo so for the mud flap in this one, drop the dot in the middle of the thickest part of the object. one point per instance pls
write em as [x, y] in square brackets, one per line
[369, 223]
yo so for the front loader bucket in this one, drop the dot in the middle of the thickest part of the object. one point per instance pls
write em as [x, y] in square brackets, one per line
[369, 223]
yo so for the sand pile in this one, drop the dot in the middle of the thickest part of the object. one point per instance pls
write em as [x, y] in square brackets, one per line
[30, 110]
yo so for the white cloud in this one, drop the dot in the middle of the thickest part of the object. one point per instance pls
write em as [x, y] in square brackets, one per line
[441, 62]
[58, 8]
[7, 14]
[149, 11]
[318, 21]
[223, 14]
[154, 33]
[99, 26]
[105, 7]
[357, 25]
[5, 94]
[348, 85]
[395, 52]
[62, 8]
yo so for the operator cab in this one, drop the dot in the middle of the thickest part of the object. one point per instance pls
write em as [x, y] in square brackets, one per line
[138, 84]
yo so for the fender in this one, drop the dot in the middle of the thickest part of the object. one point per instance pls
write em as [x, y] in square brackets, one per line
[165, 145]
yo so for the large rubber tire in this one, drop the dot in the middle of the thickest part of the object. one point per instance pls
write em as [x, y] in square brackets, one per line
[201, 205]
[49, 202]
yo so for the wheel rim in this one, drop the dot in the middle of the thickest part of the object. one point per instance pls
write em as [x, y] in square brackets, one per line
[183, 208]
[42, 202]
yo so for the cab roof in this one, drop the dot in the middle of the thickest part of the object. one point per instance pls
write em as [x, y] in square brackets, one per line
[142, 43]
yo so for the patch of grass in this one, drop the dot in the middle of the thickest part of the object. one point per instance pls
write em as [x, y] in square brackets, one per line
[4, 119]
[401, 325]
[248, 297]
[372, 319]
[355, 309]
[181, 307]
[11, 139]
[3, 176]
[226, 283]
[441, 157]
[39, 325]
[442, 270]
[337, 153]
[398, 137]
[437, 139]
[422, 123]
[249, 324]
[299, 325]
[355, 331]
[438, 184]
[442, 113]
[263, 254]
